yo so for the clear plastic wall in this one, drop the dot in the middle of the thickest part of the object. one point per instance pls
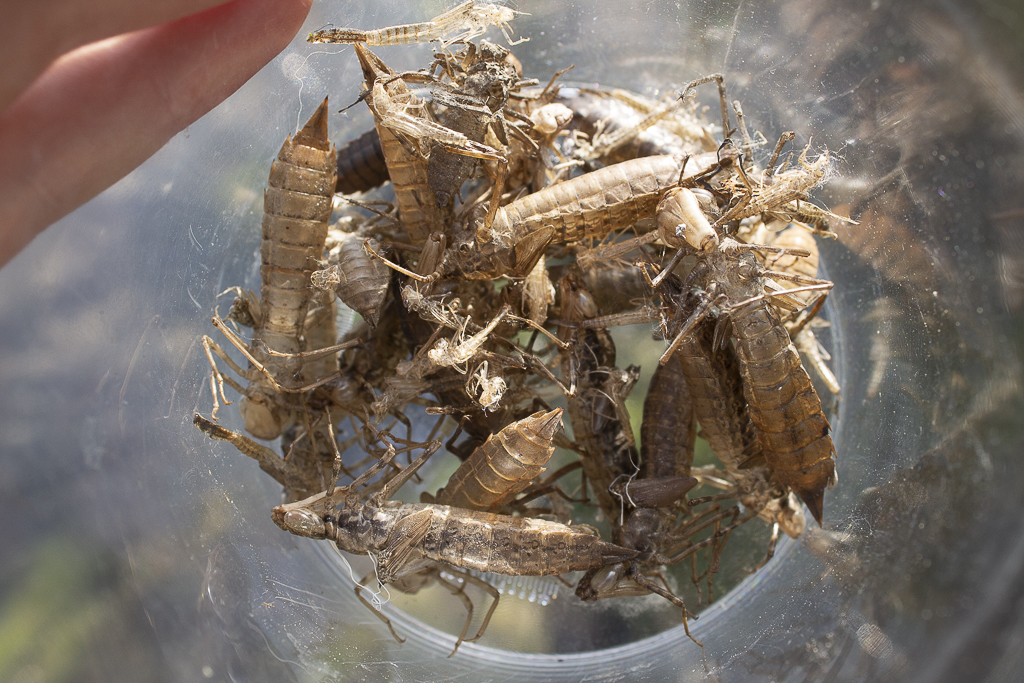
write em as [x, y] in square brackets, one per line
[136, 549]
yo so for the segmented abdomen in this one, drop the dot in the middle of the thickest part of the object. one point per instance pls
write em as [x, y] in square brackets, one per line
[607, 451]
[519, 546]
[417, 204]
[668, 430]
[503, 465]
[361, 164]
[297, 208]
[784, 408]
[597, 203]
[714, 384]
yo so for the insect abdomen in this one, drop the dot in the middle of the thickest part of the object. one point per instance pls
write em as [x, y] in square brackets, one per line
[513, 545]
[503, 465]
[361, 165]
[297, 207]
[784, 408]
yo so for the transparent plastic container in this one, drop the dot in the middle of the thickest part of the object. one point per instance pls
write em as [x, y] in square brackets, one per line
[137, 549]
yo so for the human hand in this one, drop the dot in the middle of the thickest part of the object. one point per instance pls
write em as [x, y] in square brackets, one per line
[80, 109]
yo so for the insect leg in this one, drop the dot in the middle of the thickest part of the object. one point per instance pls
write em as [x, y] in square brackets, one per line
[459, 591]
[642, 581]
[691, 323]
[400, 269]
[269, 461]
[796, 326]
[360, 587]
[665, 272]
[392, 486]
[783, 139]
[244, 348]
[217, 379]
[490, 590]
[771, 549]
[726, 126]
[808, 345]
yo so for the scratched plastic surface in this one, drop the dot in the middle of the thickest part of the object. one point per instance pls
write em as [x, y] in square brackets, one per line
[136, 549]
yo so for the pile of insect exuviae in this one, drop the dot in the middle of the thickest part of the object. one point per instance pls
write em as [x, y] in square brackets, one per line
[474, 432]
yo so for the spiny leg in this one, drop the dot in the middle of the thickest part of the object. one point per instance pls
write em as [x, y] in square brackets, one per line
[487, 588]
[723, 103]
[399, 480]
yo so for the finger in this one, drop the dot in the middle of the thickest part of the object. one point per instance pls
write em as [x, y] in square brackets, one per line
[102, 110]
[33, 34]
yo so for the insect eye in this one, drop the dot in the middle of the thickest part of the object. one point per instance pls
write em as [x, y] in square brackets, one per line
[305, 523]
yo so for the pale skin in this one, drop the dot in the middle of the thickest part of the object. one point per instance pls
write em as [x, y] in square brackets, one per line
[90, 90]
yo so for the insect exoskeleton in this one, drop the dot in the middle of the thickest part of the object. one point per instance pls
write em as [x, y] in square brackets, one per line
[359, 280]
[361, 164]
[503, 465]
[682, 219]
[397, 533]
[461, 23]
[551, 118]
[784, 407]
[668, 429]
[395, 104]
[297, 207]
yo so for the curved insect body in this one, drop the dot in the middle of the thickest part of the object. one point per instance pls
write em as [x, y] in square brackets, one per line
[589, 206]
[784, 408]
[406, 168]
[461, 23]
[504, 465]
[361, 164]
[359, 280]
[297, 207]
